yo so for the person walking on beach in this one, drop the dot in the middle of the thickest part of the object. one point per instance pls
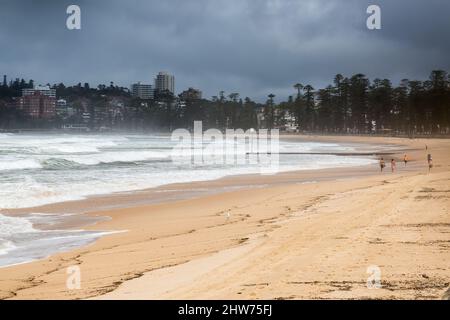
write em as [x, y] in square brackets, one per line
[393, 165]
[430, 162]
[382, 164]
[405, 159]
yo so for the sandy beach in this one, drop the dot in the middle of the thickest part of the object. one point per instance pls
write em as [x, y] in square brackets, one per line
[294, 235]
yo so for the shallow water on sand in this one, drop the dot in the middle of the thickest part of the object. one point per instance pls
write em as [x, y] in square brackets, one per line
[21, 242]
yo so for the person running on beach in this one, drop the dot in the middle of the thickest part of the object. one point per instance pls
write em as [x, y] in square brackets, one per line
[430, 162]
[382, 164]
[393, 165]
[405, 159]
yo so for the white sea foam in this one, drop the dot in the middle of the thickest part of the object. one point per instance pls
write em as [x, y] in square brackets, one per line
[6, 246]
[13, 225]
[5, 135]
[70, 149]
[39, 169]
[111, 157]
[11, 164]
[20, 242]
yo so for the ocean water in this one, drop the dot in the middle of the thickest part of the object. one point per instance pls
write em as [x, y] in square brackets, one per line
[20, 242]
[38, 169]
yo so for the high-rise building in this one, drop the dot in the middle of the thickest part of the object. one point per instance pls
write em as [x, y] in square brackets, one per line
[47, 107]
[142, 91]
[44, 90]
[38, 103]
[165, 82]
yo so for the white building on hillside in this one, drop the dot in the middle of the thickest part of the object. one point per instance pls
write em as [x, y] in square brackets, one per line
[165, 81]
[142, 91]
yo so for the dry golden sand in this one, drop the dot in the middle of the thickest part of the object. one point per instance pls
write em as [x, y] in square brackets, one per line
[282, 241]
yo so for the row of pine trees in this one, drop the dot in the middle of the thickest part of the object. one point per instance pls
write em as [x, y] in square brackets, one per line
[350, 105]
[357, 105]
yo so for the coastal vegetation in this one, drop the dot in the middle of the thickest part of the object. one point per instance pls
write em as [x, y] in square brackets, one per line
[349, 105]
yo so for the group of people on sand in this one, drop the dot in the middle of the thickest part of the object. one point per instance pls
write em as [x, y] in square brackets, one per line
[393, 164]
[405, 161]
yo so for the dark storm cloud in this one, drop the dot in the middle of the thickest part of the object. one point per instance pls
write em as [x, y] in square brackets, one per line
[250, 46]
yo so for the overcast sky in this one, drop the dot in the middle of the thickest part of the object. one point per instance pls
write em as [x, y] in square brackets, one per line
[249, 46]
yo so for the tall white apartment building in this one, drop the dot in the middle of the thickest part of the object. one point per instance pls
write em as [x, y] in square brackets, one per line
[165, 81]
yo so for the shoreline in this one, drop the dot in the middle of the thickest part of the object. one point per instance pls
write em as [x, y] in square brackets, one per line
[186, 190]
[172, 233]
[128, 198]
[284, 133]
